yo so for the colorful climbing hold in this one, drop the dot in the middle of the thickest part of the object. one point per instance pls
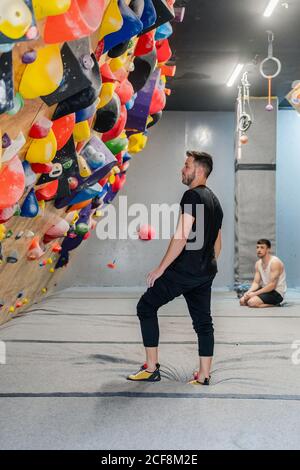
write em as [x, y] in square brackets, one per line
[15, 19]
[35, 251]
[42, 150]
[137, 142]
[43, 9]
[111, 265]
[86, 16]
[40, 128]
[13, 257]
[12, 182]
[63, 129]
[30, 207]
[44, 75]
[146, 232]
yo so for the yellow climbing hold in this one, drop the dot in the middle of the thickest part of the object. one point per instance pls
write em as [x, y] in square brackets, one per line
[81, 131]
[112, 179]
[75, 217]
[44, 290]
[137, 142]
[42, 150]
[149, 120]
[11, 309]
[2, 232]
[42, 206]
[15, 18]
[44, 8]
[49, 261]
[116, 170]
[25, 301]
[116, 64]
[44, 75]
[84, 169]
[112, 20]
[51, 270]
[106, 94]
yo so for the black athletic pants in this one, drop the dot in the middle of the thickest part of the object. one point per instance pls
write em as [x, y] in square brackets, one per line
[197, 293]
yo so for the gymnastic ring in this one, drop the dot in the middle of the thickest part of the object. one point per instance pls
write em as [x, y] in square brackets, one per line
[261, 68]
[244, 122]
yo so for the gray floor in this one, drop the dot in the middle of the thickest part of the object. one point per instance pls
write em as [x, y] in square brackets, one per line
[63, 385]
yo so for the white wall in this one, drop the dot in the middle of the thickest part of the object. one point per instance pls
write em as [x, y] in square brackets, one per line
[154, 177]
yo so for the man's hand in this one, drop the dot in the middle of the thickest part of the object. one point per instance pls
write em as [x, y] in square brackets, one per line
[248, 295]
[155, 274]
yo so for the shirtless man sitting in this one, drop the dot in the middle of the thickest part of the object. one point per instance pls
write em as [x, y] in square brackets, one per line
[269, 284]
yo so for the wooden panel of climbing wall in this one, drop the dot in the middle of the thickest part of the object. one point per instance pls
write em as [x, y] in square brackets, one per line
[108, 71]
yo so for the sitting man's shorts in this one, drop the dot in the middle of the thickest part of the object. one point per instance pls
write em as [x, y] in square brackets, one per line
[271, 298]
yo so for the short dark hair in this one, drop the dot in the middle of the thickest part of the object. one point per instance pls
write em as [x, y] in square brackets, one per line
[264, 241]
[203, 159]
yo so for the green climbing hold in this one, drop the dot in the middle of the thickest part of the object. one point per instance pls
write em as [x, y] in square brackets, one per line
[9, 234]
[81, 229]
[17, 210]
[18, 104]
[117, 145]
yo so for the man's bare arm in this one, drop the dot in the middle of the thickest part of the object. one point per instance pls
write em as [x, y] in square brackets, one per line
[256, 281]
[275, 271]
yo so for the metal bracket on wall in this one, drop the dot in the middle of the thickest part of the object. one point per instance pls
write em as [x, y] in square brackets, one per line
[255, 166]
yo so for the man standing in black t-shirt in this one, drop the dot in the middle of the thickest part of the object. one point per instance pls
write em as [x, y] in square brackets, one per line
[188, 268]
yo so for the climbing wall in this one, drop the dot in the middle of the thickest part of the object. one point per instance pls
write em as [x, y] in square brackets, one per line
[81, 83]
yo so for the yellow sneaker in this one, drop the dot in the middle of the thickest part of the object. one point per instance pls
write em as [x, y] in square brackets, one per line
[197, 382]
[144, 376]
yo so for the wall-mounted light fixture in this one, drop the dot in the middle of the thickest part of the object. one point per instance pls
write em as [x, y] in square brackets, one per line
[270, 8]
[235, 74]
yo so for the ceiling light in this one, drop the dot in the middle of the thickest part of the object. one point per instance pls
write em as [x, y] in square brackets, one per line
[235, 74]
[270, 8]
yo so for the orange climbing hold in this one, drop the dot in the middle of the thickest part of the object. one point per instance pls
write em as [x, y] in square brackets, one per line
[56, 248]
[111, 265]
[168, 70]
[63, 129]
[12, 182]
[35, 251]
[79, 205]
[47, 192]
[81, 20]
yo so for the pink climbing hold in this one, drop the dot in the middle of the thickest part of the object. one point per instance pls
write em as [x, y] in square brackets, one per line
[146, 232]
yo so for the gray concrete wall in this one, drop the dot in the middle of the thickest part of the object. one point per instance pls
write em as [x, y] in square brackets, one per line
[255, 188]
[154, 177]
[288, 195]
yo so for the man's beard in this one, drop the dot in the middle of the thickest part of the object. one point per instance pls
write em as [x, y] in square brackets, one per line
[187, 180]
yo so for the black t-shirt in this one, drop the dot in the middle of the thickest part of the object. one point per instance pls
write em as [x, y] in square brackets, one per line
[198, 256]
